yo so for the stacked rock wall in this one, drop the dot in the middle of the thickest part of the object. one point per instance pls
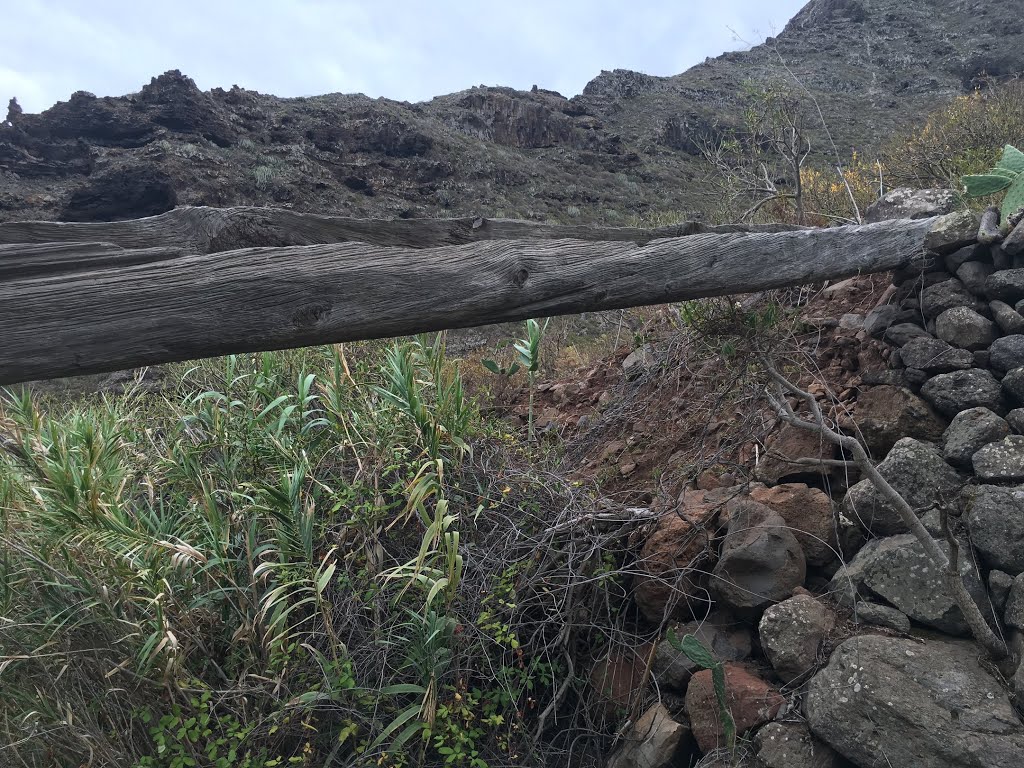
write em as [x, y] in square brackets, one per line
[840, 642]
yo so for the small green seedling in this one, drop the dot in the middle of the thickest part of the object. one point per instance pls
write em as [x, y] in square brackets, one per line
[1008, 174]
[696, 652]
[527, 359]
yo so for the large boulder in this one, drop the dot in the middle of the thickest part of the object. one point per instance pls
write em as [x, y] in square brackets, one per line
[727, 641]
[995, 519]
[654, 741]
[885, 414]
[792, 633]
[917, 471]
[750, 699]
[810, 515]
[957, 391]
[1007, 353]
[904, 702]
[969, 431]
[761, 561]
[792, 745]
[934, 356]
[675, 559]
[1001, 462]
[965, 328]
[897, 570]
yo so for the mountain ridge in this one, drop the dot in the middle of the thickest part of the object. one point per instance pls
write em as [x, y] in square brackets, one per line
[625, 147]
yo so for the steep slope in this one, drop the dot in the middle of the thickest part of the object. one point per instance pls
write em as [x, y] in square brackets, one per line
[627, 145]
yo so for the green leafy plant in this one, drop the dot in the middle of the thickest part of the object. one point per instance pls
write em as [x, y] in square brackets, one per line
[529, 357]
[1007, 174]
[696, 652]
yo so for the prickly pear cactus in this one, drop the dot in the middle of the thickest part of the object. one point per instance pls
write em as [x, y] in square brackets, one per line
[1008, 174]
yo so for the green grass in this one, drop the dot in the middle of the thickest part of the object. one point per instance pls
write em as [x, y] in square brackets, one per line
[294, 558]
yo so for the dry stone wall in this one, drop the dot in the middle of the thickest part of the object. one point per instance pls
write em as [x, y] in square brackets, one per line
[840, 641]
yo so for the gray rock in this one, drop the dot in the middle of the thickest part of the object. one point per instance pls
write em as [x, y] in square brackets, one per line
[999, 584]
[974, 252]
[915, 378]
[1007, 353]
[952, 232]
[726, 641]
[963, 327]
[1019, 306]
[981, 358]
[910, 203]
[852, 321]
[973, 275]
[934, 356]
[1013, 384]
[936, 299]
[970, 431]
[880, 318]
[886, 414]
[898, 571]
[792, 633]
[995, 519]
[792, 745]
[882, 616]
[957, 391]
[1007, 318]
[900, 333]
[654, 741]
[1001, 462]
[1013, 613]
[925, 705]
[1006, 285]
[917, 471]
[761, 561]
[1015, 419]
[638, 362]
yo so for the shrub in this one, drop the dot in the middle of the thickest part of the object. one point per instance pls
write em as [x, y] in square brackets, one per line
[962, 138]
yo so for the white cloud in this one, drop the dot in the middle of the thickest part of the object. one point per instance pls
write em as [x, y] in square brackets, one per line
[403, 49]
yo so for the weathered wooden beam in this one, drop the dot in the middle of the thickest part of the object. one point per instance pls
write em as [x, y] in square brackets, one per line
[64, 318]
[208, 230]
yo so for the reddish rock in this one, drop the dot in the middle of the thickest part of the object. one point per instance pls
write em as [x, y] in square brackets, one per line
[788, 444]
[750, 699]
[618, 679]
[809, 513]
[885, 414]
[675, 561]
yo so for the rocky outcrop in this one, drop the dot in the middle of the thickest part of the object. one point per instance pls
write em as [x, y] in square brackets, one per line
[928, 704]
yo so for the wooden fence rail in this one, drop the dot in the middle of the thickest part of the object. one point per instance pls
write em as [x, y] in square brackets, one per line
[88, 298]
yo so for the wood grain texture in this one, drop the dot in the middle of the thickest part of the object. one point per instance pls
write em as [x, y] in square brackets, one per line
[154, 306]
[209, 230]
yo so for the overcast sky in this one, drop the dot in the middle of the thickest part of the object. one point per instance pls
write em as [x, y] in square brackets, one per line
[401, 49]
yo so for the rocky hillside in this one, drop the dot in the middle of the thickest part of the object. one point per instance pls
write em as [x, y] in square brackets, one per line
[626, 146]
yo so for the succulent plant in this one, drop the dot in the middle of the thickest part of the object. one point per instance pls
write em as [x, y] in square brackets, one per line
[1008, 174]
